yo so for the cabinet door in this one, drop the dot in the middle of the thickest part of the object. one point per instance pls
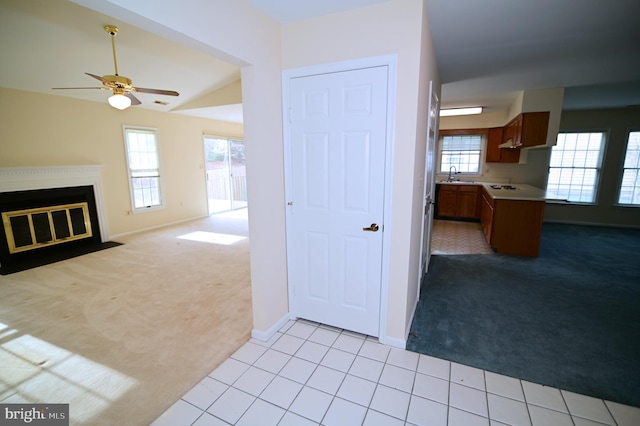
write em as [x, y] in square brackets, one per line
[467, 201]
[508, 133]
[495, 154]
[534, 128]
[486, 217]
[517, 131]
[494, 138]
[447, 200]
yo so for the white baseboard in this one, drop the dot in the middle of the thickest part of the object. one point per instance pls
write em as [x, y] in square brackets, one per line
[153, 228]
[393, 342]
[268, 334]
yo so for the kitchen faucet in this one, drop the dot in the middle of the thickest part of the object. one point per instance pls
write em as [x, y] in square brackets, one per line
[451, 173]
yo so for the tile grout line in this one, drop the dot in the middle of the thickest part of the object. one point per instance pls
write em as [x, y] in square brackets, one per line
[525, 401]
[386, 362]
[486, 395]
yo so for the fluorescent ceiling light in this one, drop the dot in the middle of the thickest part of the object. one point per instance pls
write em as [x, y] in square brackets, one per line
[460, 111]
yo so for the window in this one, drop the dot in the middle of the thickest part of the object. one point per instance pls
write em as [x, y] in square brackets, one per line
[574, 166]
[463, 152]
[630, 186]
[144, 168]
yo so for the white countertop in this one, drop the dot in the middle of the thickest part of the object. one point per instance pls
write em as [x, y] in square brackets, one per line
[522, 192]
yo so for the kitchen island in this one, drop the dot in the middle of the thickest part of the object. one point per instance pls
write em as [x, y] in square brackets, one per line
[511, 216]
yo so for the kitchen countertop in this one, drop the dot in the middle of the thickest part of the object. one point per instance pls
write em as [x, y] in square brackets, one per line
[522, 192]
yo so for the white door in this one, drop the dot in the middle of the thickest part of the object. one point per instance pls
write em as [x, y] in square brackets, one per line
[429, 183]
[335, 213]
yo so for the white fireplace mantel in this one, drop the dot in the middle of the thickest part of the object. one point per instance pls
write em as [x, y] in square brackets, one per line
[32, 178]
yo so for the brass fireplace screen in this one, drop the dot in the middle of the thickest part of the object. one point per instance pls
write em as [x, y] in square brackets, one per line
[44, 226]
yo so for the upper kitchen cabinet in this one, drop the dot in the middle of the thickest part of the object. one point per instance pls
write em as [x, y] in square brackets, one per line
[494, 153]
[526, 130]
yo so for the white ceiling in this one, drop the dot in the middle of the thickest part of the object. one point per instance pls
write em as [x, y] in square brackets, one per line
[487, 52]
[52, 43]
[287, 11]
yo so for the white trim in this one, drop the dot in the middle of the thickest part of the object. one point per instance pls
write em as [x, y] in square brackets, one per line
[134, 209]
[391, 62]
[48, 177]
[269, 333]
[152, 228]
[393, 342]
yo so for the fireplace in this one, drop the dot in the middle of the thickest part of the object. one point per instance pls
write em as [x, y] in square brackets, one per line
[49, 214]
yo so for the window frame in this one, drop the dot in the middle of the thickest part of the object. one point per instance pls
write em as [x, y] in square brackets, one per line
[599, 169]
[622, 170]
[130, 177]
[483, 133]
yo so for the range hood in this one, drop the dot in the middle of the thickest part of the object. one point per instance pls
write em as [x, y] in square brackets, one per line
[507, 144]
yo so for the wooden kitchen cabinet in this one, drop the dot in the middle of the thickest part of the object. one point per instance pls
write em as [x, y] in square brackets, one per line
[527, 129]
[495, 154]
[486, 214]
[458, 201]
[467, 206]
[512, 226]
[447, 200]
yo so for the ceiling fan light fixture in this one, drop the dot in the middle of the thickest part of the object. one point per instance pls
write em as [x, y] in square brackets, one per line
[119, 101]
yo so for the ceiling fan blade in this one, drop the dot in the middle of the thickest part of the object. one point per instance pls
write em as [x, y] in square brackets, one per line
[156, 91]
[134, 100]
[97, 77]
[71, 88]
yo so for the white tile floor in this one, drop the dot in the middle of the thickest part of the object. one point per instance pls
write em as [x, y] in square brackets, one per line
[310, 374]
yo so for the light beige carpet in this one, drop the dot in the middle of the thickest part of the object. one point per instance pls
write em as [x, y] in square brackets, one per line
[123, 333]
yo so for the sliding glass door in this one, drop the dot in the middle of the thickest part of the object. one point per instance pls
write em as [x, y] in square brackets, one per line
[226, 174]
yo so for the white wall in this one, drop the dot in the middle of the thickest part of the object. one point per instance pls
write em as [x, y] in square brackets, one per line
[397, 27]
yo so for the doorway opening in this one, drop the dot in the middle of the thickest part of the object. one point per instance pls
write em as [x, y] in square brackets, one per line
[226, 174]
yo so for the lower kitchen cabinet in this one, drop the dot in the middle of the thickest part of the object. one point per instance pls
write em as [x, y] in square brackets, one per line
[512, 226]
[486, 215]
[458, 201]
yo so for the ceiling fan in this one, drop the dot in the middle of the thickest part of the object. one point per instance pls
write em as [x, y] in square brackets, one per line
[121, 86]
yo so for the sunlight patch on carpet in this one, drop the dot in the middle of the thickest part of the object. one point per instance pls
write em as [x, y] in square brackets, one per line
[212, 237]
[29, 365]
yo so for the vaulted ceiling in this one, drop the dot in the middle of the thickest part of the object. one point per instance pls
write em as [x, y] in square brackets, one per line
[487, 51]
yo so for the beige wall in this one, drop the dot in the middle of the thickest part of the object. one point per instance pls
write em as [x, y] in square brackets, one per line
[428, 73]
[531, 160]
[395, 27]
[46, 130]
[617, 123]
[239, 33]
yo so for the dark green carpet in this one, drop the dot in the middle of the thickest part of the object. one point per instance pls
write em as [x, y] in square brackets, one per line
[568, 319]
